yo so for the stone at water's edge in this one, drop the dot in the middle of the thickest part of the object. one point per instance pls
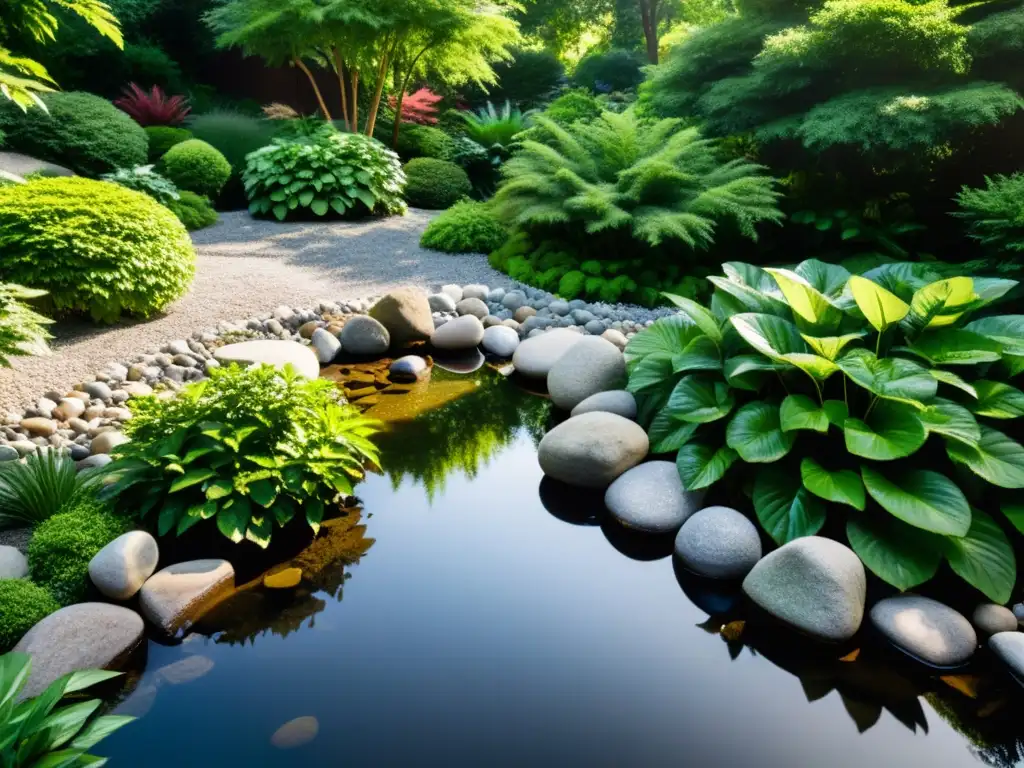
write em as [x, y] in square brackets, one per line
[271, 352]
[284, 579]
[463, 332]
[926, 629]
[592, 365]
[650, 498]
[177, 595]
[326, 345]
[535, 357]
[405, 312]
[409, 368]
[363, 335]
[990, 619]
[1009, 646]
[719, 543]
[815, 584]
[592, 450]
[83, 636]
[501, 341]
[121, 568]
[617, 401]
[13, 564]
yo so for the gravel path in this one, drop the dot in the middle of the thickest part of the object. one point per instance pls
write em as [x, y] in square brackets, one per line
[246, 267]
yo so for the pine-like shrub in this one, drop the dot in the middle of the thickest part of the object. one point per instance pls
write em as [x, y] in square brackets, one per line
[22, 329]
[22, 606]
[163, 137]
[94, 246]
[196, 166]
[466, 227]
[615, 70]
[995, 213]
[435, 184]
[192, 210]
[80, 131]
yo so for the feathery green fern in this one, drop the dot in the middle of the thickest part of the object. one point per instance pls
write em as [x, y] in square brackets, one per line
[995, 214]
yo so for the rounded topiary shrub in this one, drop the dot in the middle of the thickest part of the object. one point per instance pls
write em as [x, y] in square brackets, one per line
[163, 137]
[466, 227]
[614, 70]
[95, 246]
[22, 606]
[435, 184]
[82, 132]
[424, 141]
[192, 210]
[61, 547]
[196, 166]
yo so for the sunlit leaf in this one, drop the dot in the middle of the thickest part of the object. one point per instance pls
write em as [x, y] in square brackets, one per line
[942, 302]
[809, 305]
[892, 378]
[843, 486]
[880, 307]
[997, 458]
[948, 419]
[800, 412]
[954, 346]
[701, 317]
[830, 347]
[946, 377]
[997, 400]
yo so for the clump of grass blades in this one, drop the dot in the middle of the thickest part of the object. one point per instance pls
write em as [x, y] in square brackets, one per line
[34, 490]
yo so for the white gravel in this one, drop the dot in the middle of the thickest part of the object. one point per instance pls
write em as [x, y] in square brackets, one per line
[246, 267]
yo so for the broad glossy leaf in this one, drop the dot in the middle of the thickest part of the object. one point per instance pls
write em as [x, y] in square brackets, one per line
[750, 299]
[984, 558]
[668, 434]
[949, 419]
[263, 492]
[755, 433]
[922, 498]
[837, 412]
[700, 316]
[815, 366]
[843, 486]
[233, 517]
[701, 465]
[650, 373]
[701, 354]
[988, 289]
[219, 489]
[829, 279]
[903, 278]
[953, 346]
[668, 335]
[997, 458]
[997, 400]
[880, 307]
[260, 530]
[953, 380]
[98, 730]
[1014, 364]
[830, 347]
[190, 478]
[751, 371]
[895, 552]
[1015, 514]
[808, 304]
[784, 507]
[700, 400]
[752, 276]
[800, 412]
[942, 302]
[780, 340]
[892, 378]
[892, 431]
[1005, 330]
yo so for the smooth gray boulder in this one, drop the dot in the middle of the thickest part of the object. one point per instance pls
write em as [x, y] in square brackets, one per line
[617, 401]
[592, 365]
[718, 543]
[82, 636]
[475, 291]
[650, 497]
[405, 312]
[275, 352]
[592, 450]
[990, 619]
[513, 300]
[815, 584]
[441, 302]
[326, 345]
[362, 335]
[535, 357]
[463, 332]
[454, 292]
[13, 564]
[1009, 647]
[501, 341]
[121, 568]
[409, 368]
[925, 629]
[174, 597]
[474, 307]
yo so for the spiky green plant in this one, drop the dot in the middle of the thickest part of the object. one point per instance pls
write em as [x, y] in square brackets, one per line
[22, 330]
[35, 490]
[489, 126]
[995, 214]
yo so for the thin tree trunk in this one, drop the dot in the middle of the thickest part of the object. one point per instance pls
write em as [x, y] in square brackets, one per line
[316, 89]
[339, 67]
[401, 96]
[649, 16]
[382, 71]
[355, 101]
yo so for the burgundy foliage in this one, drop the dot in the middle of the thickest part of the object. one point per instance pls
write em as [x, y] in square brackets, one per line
[154, 107]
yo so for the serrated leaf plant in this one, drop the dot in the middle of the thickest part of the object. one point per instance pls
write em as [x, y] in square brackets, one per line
[248, 448]
[885, 397]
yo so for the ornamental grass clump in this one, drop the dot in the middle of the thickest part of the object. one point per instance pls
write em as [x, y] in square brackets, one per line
[884, 398]
[36, 489]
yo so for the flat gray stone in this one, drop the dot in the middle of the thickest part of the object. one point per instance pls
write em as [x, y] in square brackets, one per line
[719, 543]
[175, 596]
[441, 302]
[617, 401]
[362, 335]
[121, 568]
[326, 345]
[991, 619]
[650, 498]
[463, 332]
[13, 564]
[275, 352]
[409, 368]
[501, 341]
[592, 365]
[814, 584]
[926, 629]
[535, 357]
[7, 453]
[82, 636]
[592, 450]
[1009, 646]
[474, 307]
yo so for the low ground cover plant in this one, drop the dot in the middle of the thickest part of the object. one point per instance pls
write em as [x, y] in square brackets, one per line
[466, 227]
[22, 606]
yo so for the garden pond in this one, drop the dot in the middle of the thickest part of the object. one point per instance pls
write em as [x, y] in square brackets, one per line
[470, 612]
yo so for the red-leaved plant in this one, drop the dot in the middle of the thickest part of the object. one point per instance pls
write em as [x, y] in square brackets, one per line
[419, 107]
[153, 108]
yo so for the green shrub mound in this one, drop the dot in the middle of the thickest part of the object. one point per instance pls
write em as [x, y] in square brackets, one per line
[235, 135]
[424, 141]
[248, 449]
[196, 166]
[573, 106]
[466, 227]
[344, 174]
[528, 79]
[192, 210]
[22, 606]
[879, 399]
[995, 213]
[95, 246]
[435, 184]
[162, 138]
[615, 70]
[61, 547]
[80, 131]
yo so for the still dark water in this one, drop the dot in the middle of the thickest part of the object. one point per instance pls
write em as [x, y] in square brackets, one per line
[478, 628]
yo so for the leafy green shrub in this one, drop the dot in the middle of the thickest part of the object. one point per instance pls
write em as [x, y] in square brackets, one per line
[235, 135]
[995, 214]
[424, 141]
[83, 132]
[528, 79]
[483, 166]
[615, 70]
[62, 546]
[163, 137]
[347, 173]
[144, 179]
[196, 166]
[467, 227]
[37, 489]
[22, 330]
[22, 606]
[489, 126]
[95, 246]
[573, 106]
[875, 393]
[435, 184]
[250, 447]
[192, 210]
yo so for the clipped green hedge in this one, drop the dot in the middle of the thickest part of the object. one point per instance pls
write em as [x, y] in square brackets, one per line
[163, 137]
[435, 184]
[196, 166]
[22, 606]
[95, 246]
[466, 227]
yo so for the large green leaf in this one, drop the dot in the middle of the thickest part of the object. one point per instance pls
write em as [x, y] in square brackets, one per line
[784, 507]
[800, 412]
[700, 400]
[880, 307]
[1005, 330]
[984, 558]
[829, 279]
[942, 302]
[701, 354]
[651, 372]
[700, 316]
[892, 378]
[780, 340]
[997, 400]
[954, 346]
[668, 434]
[830, 347]
[233, 517]
[810, 306]
[190, 478]
[895, 552]
[903, 278]
[947, 377]
[667, 335]
[922, 498]
[842, 486]
[949, 419]
[755, 433]
[750, 299]
[891, 431]
[988, 289]
[701, 465]
[1015, 514]
[997, 458]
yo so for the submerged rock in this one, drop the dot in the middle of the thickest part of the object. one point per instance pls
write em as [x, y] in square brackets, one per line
[295, 733]
[926, 629]
[405, 312]
[590, 366]
[536, 356]
[719, 543]
[409, 368]
[176, 595]
[617, 401]
[650, 498]
[593, 449]
[121, 568]
[275, 352]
